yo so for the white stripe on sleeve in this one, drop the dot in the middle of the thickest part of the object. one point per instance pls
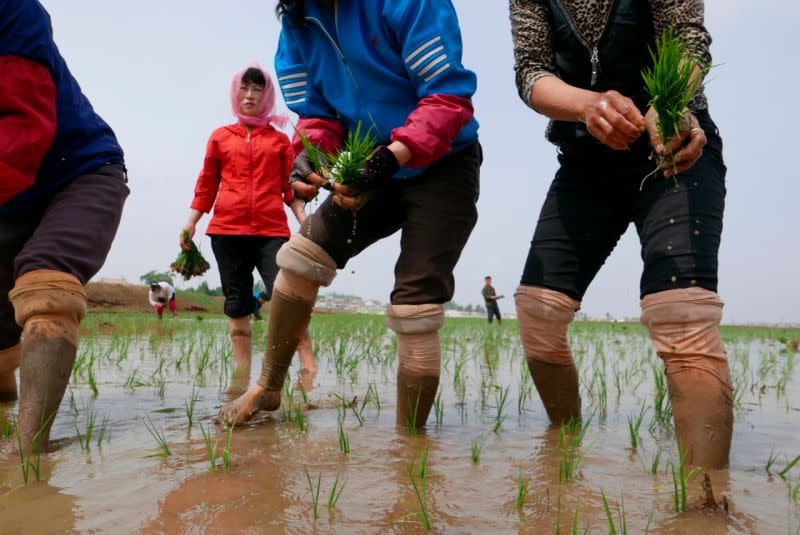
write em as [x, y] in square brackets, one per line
[437, 72]
[432, 64]
[294, 84]
[421, 60]
[298, 101]
[421, 49]
[293, 76]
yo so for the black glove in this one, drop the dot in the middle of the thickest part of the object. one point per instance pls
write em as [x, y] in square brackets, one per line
[302, 167]
[381, 166]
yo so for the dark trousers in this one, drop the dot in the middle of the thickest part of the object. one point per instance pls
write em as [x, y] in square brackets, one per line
[493, 311]
[594, 198]
[435, 212]
[237, 257]
[72, 233]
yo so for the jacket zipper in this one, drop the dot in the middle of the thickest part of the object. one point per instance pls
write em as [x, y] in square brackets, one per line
[250, 184]
[335, 43]
[594, 56]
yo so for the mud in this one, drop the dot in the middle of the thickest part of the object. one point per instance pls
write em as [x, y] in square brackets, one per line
[118, 487]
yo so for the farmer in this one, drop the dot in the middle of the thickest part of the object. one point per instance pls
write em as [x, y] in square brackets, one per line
[62, 188]
[394, 67]
[245, 178]
[490, 297]
[579, 63]
[162, 294]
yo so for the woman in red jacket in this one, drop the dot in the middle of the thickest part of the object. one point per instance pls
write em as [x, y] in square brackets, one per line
[245, 178]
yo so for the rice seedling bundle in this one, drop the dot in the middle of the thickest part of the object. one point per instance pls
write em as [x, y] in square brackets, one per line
[671, 84]
[190, 263]
[346, 165]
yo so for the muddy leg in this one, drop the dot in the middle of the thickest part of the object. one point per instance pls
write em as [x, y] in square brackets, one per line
[702, 407]
[241, 339]
[415, 397]
[49, 306]
[558, 387]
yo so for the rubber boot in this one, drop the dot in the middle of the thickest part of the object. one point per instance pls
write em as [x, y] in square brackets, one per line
[702, 408]
[288, 320]
[49, 306]
[415, 397]
[9, 362]
[557, 385]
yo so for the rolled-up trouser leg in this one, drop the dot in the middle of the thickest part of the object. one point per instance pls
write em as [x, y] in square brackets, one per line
[419, 359]
[544, 316]
[49, 306]
[9, 362]
[684, 326]
[304, 267]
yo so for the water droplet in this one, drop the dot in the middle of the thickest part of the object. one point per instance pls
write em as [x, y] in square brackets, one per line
[671, 220]
[674, 278]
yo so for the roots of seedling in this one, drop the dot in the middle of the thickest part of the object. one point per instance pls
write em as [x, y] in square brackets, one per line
[710, 504]
[190, 263]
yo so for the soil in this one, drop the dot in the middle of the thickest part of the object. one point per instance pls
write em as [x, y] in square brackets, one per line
[109, 297]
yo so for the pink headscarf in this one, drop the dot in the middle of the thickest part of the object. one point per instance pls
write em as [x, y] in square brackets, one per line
[266, 113]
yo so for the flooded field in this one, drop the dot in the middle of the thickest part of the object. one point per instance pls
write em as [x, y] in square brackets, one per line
[139, 450]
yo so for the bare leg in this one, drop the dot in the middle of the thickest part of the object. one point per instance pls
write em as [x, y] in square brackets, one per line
[9, 362]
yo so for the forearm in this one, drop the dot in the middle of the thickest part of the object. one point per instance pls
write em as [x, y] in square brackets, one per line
[560, 101]
[298, 209]
[194, 217]
[401, 152]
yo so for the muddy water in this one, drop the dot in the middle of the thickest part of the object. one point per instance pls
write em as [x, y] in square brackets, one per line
[119, 487]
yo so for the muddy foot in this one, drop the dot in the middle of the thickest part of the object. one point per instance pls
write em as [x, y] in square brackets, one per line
[243, 408]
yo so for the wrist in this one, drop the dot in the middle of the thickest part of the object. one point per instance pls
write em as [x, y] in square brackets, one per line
[400, 151]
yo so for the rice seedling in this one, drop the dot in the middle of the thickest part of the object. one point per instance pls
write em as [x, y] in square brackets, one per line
[575, 525]
[422, 466]
[373, 396]
[623, 522]
[314, 492]
[421, 493]
[671, 83]
[211, 449]
[189, 405]
[789, 466]
[30, 461]
[158, 434]
[73, 407]
[348, 165]
[680, 479]
[771, 461]
[336, 492]
[190, 263]
[438, 408]
[133, 381]
[411, 423]
[656, 462]
[6, 428]
[85, 440]
[103, 433]
[93, 383]
[300, 419]
[344, 440]
[522, 490]
[475, 450]
[501, 398]
[525, 389]
[226, 453]
[634, 423]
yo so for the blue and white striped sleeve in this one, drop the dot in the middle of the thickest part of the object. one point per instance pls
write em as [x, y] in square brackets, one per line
[430, 37]
[296, 85]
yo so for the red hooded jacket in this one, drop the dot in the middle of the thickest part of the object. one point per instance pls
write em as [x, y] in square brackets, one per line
[246, 180]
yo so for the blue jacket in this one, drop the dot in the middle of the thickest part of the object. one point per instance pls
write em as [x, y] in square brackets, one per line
[83, 141]
[372, 61]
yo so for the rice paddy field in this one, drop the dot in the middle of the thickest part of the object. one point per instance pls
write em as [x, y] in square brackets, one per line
[138, 449]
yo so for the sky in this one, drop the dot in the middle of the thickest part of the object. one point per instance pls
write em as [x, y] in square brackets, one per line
[159, 72]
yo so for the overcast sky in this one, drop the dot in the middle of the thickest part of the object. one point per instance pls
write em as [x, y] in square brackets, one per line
[159, 72]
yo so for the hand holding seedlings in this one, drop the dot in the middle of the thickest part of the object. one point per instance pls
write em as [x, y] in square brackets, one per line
[613, 119]
[686, 146]
[354, 191]
[304, 178]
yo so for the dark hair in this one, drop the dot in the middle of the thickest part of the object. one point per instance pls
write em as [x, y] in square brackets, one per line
[294, 9]
[255, 76]
[155, 286]
[488, 277]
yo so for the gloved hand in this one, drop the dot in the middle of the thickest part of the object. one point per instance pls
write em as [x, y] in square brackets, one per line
[380, 167]
[305, 182]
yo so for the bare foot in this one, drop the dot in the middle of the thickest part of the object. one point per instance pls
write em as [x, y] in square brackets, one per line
[8, 387]
[243, 408]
